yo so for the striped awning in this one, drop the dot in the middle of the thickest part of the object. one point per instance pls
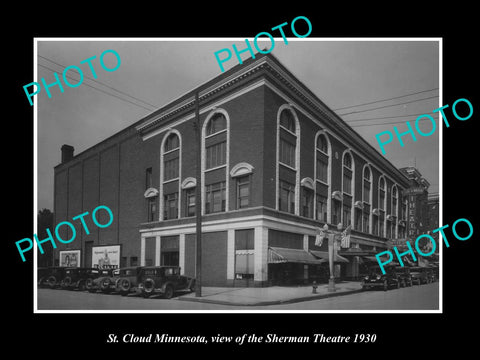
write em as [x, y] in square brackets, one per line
[324, 256]
[282, 255]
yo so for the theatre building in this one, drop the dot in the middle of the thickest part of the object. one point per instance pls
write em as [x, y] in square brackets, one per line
[276, 165]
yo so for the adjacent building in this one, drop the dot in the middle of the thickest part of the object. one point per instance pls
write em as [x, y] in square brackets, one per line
[276, 165]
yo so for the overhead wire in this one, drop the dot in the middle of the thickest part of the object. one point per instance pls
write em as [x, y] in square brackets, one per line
[93, 87]
[392, 98]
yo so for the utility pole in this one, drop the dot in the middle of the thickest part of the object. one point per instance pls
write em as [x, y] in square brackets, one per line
[198, 201]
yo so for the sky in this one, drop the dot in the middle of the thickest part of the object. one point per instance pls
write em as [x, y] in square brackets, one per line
[340, 73]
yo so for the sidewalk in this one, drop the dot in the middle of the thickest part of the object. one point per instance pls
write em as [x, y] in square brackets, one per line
[256, 296]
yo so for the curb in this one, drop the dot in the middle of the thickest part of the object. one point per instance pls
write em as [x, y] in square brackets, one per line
[272, 302]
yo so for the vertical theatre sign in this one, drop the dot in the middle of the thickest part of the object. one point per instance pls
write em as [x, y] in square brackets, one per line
[106, 257]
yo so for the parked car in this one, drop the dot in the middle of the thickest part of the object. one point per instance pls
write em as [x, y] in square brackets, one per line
[432, 272]
[99, 281]
[419, 275]
[404, 276]
[375, 278]
[42, 276]
[165, 280]
[52, 277]
[127, 280]
[76, 278]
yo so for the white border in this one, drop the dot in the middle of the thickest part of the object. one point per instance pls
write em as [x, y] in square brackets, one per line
[35, 169]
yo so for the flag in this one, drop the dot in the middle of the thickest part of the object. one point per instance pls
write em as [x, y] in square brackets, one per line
[319, 238]
[345, 242]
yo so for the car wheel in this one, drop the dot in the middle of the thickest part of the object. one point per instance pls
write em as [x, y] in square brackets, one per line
[52, 281]
[66, 282]
[385, 285]
[168, 292]
[81, 285]
[125, 285]
[148, 287]
[89, 285]
[105, 286]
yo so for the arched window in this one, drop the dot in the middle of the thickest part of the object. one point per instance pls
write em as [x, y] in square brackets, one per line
[215, 161]
[381, 193]
[288, 159]
[347, 173]
[171, 157]
[367, 191]
[322, 158]
[170, 176]
[367, 184]
[216, 146]
[381, 205]
[322, 180]
[394, 200]
[347, 170]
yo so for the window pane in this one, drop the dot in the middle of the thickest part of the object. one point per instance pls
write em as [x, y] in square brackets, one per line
[172, 142]
[287, 120]
[322, 144]
[322, 170]
[347, 183]
[287, 153]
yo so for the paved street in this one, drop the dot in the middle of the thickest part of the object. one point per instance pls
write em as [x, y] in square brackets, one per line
[424, 297]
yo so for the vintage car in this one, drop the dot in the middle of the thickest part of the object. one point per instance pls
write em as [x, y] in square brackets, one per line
[76, 278]
[52, 277]
[375, 278]
[419, 275]
[127, 280]
[100, 280]
[42, 275]
[404, 276]
[165, 280]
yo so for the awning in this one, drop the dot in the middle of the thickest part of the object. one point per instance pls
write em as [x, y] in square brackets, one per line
[324, 255]
[282, 255]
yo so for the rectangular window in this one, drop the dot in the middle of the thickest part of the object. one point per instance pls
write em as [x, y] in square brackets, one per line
[216, 155]
[375, 225]
[358, 219]
[322, 169]
[337, 212]
[215, 198]
[307, 202]
[243, 192]
[287, 197]
[366, 222]
[152, 209]
[347, 181]
[190, 202]
[381, 231]
[347, 215]
[287, 153]
[171, 169]
[148, 178]
[171, 206]
[321, 208]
